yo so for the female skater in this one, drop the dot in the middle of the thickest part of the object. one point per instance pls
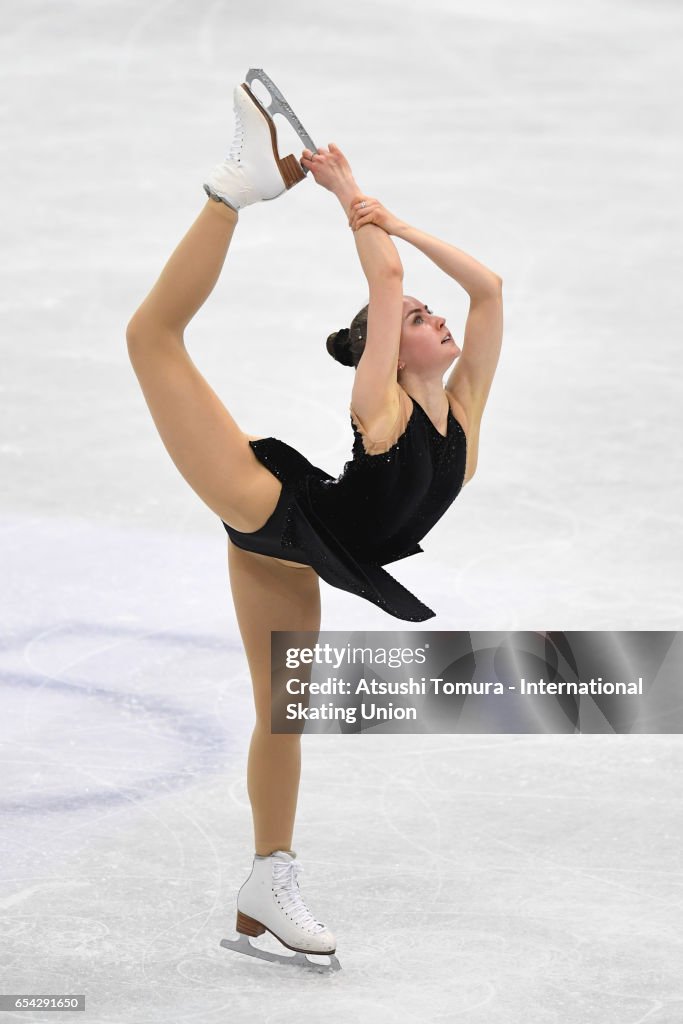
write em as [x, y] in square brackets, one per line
[415, 445]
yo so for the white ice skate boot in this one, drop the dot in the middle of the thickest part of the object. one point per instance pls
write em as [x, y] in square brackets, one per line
[270, 900]
[254, 171]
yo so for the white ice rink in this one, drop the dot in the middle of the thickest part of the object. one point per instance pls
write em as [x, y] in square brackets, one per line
[532, 879]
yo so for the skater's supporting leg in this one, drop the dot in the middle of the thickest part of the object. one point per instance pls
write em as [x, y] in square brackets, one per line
[273, 776]
[204, 441]
[269, 595]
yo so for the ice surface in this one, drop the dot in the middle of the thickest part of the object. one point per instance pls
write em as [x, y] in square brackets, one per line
[495, 878]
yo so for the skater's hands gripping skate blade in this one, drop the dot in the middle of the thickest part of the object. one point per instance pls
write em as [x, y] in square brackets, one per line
[373, 213]
[330, 168]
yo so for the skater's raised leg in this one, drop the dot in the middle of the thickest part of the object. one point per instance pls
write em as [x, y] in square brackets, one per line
[191, 272]
[200, 435]
[208, 447]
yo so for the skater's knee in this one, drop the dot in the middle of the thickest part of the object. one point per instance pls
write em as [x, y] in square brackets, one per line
[137, 331]
[144, 335]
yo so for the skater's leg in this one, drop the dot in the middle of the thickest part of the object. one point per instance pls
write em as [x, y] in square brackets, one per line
[270, 595]
[191, 272]
[204, 441]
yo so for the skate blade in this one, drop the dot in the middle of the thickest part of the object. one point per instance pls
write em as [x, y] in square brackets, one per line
[279, 105]
[243, 945]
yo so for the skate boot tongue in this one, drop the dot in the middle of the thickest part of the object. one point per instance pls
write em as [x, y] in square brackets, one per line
[286, 888]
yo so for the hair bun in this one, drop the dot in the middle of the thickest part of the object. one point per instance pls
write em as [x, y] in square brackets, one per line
[339, 346]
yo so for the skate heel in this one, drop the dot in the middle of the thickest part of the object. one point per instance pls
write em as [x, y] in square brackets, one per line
[247, 925]
[289, 167]
[291, 170]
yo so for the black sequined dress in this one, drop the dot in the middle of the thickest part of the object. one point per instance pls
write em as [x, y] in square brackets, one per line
[376, 512]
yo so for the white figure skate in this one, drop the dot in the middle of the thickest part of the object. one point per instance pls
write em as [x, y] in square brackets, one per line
[254, 171]
[270, 900]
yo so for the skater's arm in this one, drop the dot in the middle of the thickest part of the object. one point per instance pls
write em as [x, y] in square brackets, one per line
[477, 280]
[378, 255]
[377, 259]
[374, 396]
[471, 378]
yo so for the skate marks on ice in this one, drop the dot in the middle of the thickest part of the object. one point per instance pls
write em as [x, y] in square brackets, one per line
[476, 828]
[70, 689]
[554, 532]
[525, 877]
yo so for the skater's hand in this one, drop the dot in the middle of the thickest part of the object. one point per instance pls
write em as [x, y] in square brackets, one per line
[331, 169]
[372, 213]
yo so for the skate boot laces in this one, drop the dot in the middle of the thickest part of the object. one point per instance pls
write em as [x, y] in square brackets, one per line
[238, 140]
[286, 890]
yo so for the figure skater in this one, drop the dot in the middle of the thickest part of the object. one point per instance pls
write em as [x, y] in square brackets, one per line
[289, 523]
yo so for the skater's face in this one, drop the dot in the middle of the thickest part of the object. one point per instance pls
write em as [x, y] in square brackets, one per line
[423, 347]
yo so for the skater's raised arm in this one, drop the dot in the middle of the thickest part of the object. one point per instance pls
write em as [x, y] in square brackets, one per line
[374, 395]
[378, 255]
[477, 280]
[471, 378]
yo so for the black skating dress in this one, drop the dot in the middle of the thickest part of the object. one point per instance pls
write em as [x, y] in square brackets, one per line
[387, 498]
